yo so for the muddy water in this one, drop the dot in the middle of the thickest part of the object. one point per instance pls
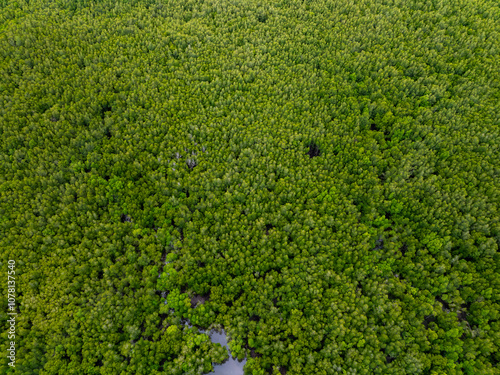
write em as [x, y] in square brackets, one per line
[231, 366]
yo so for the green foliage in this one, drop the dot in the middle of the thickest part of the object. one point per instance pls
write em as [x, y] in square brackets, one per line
[320, 178]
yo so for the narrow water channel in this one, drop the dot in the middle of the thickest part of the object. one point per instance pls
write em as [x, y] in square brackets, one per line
[230, 366]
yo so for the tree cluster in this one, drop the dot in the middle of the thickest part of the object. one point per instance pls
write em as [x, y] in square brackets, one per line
[320, 178]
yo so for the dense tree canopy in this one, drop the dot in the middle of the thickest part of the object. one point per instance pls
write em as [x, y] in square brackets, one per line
[320, 178]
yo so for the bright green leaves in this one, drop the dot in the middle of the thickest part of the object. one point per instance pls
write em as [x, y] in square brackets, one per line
[79, 315]
[325, 196]
[178, 301]
[254, 367]
[168, 277]
[154, 272]
[487, 293]
[164, 236]
[170, 257]
[114, 189]
[194, 339]
[201, 315]
[172, 330]
[433, 243]
[189, 351]
[381, 222]
[236, 348]
[396, 207]
[454, 333]
[386, 266]
[100, 127]
[251, 342]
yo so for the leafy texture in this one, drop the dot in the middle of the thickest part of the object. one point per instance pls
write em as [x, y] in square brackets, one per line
[320, 178]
